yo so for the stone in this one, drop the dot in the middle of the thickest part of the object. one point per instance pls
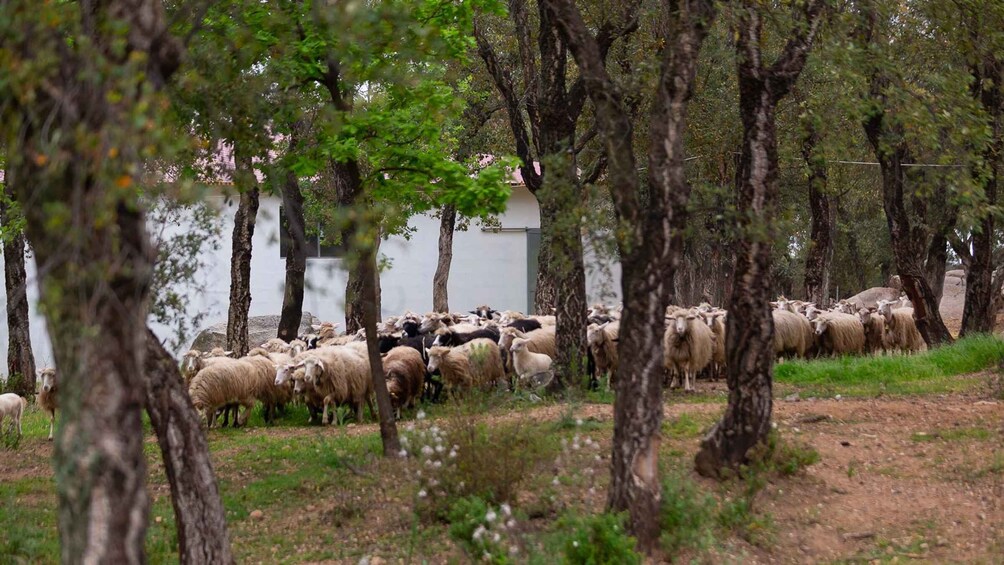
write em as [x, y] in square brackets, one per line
[260, 330]
[257, 515]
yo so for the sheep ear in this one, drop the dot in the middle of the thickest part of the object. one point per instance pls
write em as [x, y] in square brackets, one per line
[320, 364]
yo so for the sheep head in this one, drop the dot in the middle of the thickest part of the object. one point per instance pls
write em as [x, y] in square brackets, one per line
[297, 346]
[519, 344]
[299, 382]
[436, 354]
[312, 369]
[594, 334]
[48, 376]
[283, 372]
[191, 362]
[681, 323]
[820, 325]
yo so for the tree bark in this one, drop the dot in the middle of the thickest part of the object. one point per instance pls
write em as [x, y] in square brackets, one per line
[750, 326]
[198, 509]
[240, 257]
[441, 280]
[822, 229]
[388, 426]
[95, 263]
[649, 239]
[296, 258]
[979, 313]
[20, 359]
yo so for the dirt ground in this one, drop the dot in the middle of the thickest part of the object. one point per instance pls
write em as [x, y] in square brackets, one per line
[908, 478]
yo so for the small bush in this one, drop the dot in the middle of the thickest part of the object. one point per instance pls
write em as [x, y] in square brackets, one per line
[486, 534]
[687, 516]
[597, 539]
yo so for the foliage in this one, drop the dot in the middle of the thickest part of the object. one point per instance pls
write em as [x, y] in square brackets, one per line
[181, 255]
[687, 515]
[484, 532]
[596, 539]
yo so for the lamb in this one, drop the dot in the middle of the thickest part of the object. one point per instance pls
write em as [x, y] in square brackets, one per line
[688, 347]
[901, 328]
[542, 340]
[602, 341]
[342, 376]
[404, 369]
[839, 334]
[792, 334]
[12, 406]
[874, 324]
[475, 363]
[47, 396]
[527, 363]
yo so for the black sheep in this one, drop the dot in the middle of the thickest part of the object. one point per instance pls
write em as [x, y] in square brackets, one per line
[450, 338]
[525, 324]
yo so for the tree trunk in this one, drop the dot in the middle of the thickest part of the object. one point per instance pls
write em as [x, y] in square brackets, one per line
[750, 326]
[821, 235]
[650, 242]
[240, 258]
[935, 265]
[89, 237]
[368, 270]
[441, 280]
[979, 314]
[355, 289]
[908, 250]
[198, 509]
[20, 360]
[296, 259]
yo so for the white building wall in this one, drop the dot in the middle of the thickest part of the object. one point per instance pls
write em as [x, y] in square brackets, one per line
[488, 268]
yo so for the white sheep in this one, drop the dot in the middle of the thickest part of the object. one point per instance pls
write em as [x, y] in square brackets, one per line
[839, 334]
[527, 363]
[342, 376]
[475, 363]
[12, 406]
[602, 341]
[688, 347]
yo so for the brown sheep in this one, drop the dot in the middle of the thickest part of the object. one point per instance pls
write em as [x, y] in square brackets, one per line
[476, 363]
[404, 369]
[839, 334]
[602, 340]
[792, 334]
[47, 395]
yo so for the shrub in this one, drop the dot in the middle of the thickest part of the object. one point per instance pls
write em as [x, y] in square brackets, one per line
[483, 532]
[687, 515]
[596, 539]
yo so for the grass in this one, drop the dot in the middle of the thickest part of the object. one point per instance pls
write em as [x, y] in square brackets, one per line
[930, 372]
[956, 434]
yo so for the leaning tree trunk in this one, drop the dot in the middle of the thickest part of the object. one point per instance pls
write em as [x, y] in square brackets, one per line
[979, 314]
[441, 280]
[296, 259]
[750, 326]
[20, 360]
[355, 289]
[240, 260]
[88, 233]
[199, 515]
[368, 269]
[935, 265]
[821, 236]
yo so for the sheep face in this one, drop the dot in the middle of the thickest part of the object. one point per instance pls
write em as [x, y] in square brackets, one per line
[190, 362]
[312, 370]
[284, 372]
[820, 327]
[436, 358]
[681, 324]
[518, 344]
[296, 347]
[594, 335]
[48, 380]
[299, 384]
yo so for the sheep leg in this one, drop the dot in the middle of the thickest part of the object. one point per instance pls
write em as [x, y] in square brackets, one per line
[52, 423]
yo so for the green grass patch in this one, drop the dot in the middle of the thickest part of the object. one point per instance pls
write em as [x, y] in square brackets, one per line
[923, 373]
[955, 434]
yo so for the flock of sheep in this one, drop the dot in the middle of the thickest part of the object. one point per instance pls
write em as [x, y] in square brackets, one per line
[422, 355]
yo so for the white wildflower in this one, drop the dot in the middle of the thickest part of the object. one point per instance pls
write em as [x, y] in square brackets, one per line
[511, 523]
[433, 482]
[575, 543]
[478, 533]
[427, 450]
[403, 453]
[453, 454]
[555, 481]
[422, 493]
[420, 415]
[513, 550]
[434, 430]
[578, 421]
[506, 509]
[437, 464]
[486, 556]
[440, 448]
[490, 516]
[410, 427]
[497, 537]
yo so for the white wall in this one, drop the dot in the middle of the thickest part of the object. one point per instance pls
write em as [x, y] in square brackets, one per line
[488, 268]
